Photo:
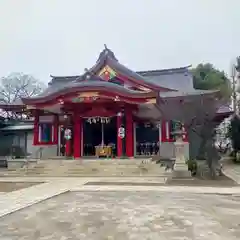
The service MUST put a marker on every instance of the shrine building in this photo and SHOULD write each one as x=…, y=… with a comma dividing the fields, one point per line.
x=109, y=111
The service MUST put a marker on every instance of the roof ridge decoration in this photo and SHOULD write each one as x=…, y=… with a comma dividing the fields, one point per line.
x=88, y=76
x=106, y=53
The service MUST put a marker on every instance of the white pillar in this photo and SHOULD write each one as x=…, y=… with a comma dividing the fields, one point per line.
x=59, y=140
x=167, y=130
x=160, y=132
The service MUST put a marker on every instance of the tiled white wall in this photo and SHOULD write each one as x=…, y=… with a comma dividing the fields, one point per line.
x=47, y=151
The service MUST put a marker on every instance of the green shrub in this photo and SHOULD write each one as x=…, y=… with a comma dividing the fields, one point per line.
x=192, y=166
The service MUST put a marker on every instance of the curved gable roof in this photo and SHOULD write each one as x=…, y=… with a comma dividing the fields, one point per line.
x=73, y=87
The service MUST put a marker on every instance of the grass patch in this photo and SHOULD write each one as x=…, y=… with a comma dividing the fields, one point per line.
x=221, y=181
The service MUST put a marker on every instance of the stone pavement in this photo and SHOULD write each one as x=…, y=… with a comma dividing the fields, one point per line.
x=127, y=215
x=232, y=171
x=118, y=212
x=16, y=200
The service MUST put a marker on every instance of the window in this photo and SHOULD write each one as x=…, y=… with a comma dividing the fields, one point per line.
x=45, y=133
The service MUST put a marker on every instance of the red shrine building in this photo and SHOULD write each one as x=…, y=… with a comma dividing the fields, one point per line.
x=110, y=110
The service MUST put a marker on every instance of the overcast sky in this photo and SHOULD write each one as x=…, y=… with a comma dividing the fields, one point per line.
x=62, y=37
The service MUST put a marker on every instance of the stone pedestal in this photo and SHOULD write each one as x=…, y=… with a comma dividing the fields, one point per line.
x=180, y=167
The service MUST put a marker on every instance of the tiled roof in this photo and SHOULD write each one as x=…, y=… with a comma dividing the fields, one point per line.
x=186, y=93
x=107, y=57
x=163, y=71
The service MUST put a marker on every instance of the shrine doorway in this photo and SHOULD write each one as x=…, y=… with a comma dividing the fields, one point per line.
x=147, y=139
x=99, y=131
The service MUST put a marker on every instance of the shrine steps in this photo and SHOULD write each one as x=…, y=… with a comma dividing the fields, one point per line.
x=92, y=168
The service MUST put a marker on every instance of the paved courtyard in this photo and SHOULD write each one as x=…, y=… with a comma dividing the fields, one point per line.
x=127, y=215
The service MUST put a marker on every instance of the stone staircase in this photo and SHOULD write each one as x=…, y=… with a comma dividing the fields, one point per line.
x=91, y=168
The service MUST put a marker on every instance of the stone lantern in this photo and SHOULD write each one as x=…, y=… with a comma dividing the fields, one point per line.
x=180, y=167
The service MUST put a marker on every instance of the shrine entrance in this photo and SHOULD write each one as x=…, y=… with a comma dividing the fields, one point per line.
x=147, y=139
x=100, y=133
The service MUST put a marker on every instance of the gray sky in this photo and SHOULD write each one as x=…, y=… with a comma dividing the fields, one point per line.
x=62, y=37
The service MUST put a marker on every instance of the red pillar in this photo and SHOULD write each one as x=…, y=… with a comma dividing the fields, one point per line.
x=77, y=121
x=119, y=140
x=164, y=131
x=55, y=129
x=36, y=128
x=129, y=133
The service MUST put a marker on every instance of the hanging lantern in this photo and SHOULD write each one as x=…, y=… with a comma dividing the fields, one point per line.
x=67, y=134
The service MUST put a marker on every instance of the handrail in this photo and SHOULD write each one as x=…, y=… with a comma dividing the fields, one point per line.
x=26, y=165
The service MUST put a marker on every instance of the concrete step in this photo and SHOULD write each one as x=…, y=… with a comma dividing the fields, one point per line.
x=84, y=175
x=103, y=168
x=90, y=162
x=99, y=169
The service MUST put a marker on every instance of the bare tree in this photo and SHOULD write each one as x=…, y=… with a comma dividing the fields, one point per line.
x=197, y=112
x=18, y=85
